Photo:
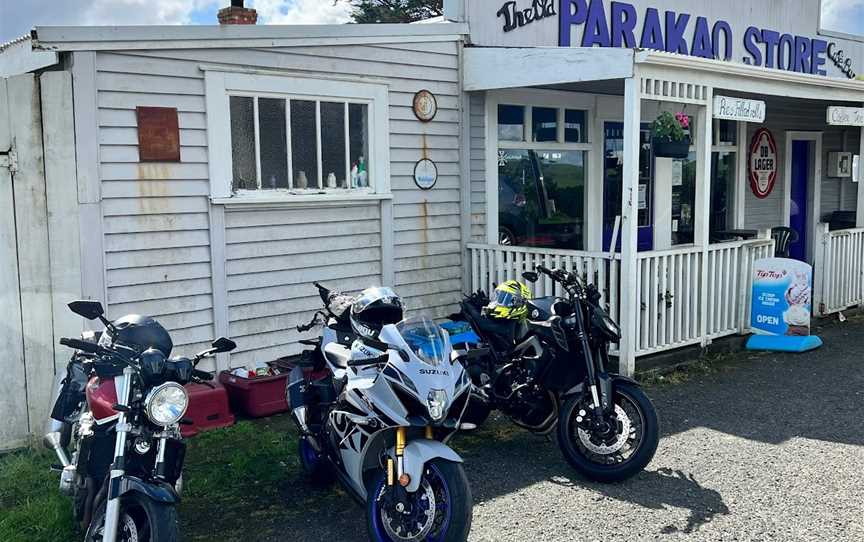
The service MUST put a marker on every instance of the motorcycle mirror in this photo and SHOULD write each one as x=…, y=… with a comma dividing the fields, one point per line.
x=223, y=344
x=90, y=310
x=530, y=276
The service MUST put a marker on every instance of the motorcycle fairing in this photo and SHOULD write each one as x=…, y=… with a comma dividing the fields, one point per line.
x=155, y=490
x=419, y=452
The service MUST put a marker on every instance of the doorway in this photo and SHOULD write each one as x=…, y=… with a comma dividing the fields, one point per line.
x=803, y=172
x=798, y=198
x=613, y=170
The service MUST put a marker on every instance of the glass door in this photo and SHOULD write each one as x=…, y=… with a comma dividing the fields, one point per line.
x=613, y=170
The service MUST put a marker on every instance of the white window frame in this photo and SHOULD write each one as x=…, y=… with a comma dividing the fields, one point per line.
x=221, y=84
x=538, y=98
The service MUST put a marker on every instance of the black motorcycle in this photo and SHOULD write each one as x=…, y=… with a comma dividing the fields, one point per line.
x=121, y=401
x=550, y=369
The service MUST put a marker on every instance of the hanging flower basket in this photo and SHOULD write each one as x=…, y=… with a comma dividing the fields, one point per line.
x=670, y=135
x=671, y=149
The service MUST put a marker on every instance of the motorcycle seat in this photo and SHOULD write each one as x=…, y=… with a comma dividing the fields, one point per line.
x=337, y=354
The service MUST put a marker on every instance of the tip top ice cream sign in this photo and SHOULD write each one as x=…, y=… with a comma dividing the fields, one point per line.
x=620, y=24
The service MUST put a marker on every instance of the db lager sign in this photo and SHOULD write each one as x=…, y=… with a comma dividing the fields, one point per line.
x=763, y=163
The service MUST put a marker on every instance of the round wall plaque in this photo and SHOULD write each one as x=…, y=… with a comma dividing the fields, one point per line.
x=425, y=105
x=763, y=163
x=425, y=174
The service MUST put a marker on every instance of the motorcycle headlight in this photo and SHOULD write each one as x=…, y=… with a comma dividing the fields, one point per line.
x=437, y=403
x=166, y=404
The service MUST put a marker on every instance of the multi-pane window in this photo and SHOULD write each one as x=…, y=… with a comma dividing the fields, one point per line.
x=724, y=167
x=297, y=143
x=542, y=154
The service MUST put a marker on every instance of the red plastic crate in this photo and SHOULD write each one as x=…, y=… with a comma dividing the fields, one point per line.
x=208, y=408
x=256, y=397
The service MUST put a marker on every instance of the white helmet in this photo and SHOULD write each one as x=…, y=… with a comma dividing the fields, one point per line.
x=373, y=309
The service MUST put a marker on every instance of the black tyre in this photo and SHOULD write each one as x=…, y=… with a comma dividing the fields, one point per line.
x=450, y=521
x=506, y=237
x=141, y=519
x=606, y=454
x=316, y=467
x=477, y=412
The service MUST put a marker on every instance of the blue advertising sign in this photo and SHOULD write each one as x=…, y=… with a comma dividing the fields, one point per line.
x=782, y=297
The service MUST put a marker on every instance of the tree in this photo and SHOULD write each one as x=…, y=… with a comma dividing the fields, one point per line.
x=394, y=11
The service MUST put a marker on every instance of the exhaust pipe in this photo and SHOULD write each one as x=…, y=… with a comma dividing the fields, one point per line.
x=53, y=440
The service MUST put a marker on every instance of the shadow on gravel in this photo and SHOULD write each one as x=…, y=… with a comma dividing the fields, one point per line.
x=772, y=397
x=660, y=489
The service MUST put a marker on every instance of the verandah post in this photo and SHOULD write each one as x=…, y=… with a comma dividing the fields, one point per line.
x=629, y=223
x=859, y=221
x=703, y=205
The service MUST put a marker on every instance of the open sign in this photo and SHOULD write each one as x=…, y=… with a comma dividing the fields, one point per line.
x=763, y=163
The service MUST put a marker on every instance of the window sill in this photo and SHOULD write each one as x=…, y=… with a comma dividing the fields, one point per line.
x=284, y=199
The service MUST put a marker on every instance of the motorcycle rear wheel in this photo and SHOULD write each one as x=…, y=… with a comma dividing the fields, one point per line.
x=453, y=504
x=141, y=519
x=600, y=465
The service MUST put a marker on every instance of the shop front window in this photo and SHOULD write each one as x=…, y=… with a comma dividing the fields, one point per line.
x=724, y=169
x=542, y=157
x=613, y=171
x=541, y=198
x=683, y=200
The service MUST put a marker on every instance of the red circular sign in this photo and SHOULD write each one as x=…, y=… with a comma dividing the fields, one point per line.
x=763, y=163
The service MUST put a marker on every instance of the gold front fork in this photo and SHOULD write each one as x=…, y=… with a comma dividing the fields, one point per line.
x=429, y=434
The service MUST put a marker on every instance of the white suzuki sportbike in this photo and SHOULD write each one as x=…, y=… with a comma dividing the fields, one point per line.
x=377, y=416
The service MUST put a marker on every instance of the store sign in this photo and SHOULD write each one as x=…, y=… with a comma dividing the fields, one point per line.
x=845, y=116
x=763, y=163
x=514, y=17
x=739, y=109
x=683, y=33
x=782, y=296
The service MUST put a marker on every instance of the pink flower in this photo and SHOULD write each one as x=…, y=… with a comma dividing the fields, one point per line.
x=683, y=120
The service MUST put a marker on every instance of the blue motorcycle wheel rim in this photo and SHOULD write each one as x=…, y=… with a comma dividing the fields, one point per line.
x=436, y=479
x=309, y=455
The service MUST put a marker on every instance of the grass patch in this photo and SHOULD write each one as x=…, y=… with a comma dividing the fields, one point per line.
x=684, y=372
x=31, y=507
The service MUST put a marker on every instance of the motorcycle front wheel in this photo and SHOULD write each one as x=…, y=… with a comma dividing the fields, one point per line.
x=439, y=511
x=141, y=520
x=617, y=447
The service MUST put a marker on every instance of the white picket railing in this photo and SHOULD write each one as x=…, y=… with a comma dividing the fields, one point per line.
x=673, y=299
x=672, y=296
x=669, y=298
x=494, y=264
x=840, y=271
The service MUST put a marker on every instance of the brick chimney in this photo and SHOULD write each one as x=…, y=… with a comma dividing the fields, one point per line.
x=237, y=14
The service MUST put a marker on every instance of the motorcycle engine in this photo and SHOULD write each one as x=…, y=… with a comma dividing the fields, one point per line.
x=526, y=403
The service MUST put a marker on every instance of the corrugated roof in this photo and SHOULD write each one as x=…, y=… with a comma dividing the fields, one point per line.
x=10, y=43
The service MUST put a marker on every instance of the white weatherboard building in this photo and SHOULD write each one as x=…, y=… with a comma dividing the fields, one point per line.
x=294, y=152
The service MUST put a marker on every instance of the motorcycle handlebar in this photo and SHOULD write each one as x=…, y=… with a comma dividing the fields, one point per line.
x=202, y=375
x=78, y=344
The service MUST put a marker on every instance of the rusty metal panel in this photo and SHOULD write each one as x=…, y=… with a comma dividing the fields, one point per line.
x=158, y=134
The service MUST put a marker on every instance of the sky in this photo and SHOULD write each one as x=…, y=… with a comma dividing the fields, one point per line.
x=17, y=17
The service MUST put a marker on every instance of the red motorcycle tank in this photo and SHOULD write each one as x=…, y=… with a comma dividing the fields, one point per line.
x=101, y=397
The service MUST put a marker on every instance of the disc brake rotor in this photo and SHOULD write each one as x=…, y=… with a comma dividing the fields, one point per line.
x=128, y=531
x=411, y=525
x=608, y=447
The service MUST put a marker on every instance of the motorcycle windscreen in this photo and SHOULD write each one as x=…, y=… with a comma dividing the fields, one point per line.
x=426, y=340
x=72, y=393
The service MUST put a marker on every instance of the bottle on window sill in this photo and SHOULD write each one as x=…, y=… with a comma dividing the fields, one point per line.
x=362, y=179
x=331, y=180
x=355, y=176
x=302, y=181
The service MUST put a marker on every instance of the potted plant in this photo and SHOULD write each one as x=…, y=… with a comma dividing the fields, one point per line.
x=669, y=132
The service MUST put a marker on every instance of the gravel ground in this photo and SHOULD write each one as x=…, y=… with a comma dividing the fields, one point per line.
x=767, y=447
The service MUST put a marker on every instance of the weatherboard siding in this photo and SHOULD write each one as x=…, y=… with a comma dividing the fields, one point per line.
x=156, y=216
